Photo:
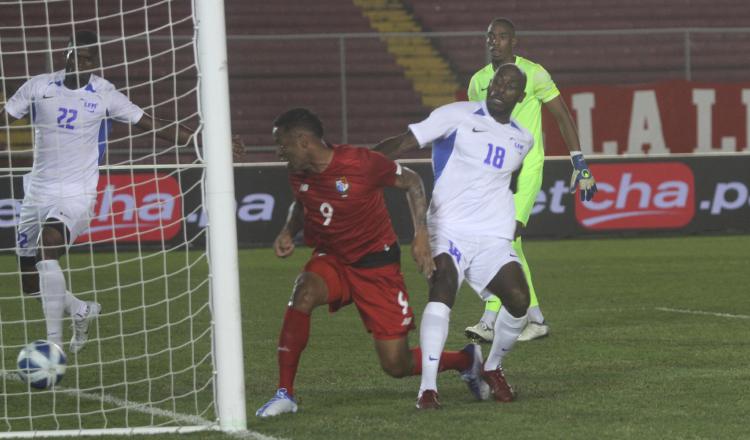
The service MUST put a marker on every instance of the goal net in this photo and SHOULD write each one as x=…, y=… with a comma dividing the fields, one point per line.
x=150, y=364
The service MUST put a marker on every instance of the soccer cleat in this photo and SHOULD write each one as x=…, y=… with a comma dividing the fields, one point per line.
x=480, y=332
x=473, y=375
x=499, y=386
x=280, y=403
x=428, y=400
x=81, y=325
x=534, y=330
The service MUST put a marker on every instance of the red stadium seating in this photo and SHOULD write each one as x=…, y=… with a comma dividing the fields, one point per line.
x=268, y=76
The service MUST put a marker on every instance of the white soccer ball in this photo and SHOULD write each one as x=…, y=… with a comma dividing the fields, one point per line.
x=41, y=364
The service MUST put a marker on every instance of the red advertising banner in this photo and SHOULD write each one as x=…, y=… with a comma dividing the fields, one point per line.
x=656, y=118
x=135, y=207
x=654, y=195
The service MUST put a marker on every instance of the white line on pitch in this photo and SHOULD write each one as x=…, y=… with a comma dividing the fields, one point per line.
x=145, y=409
x=700, y=312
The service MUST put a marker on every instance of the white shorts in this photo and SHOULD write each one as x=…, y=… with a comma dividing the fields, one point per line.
x=477, y=259
x=75, y=213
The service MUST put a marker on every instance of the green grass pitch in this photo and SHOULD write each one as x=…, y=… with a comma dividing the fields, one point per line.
x=649, y=339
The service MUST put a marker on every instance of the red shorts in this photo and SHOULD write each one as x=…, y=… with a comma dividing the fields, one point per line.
x=379, y=294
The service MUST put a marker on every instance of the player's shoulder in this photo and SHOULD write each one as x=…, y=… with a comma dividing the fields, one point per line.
x=101, y=85
x=484, y=72
x=523, y=133
x=527, y=65
x=353, y=153
x=459, y=108
x=46, y=79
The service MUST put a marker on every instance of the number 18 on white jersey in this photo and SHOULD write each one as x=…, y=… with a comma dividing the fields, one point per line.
x=473, y=158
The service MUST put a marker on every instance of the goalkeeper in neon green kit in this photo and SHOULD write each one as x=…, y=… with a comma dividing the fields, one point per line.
x=540, y=89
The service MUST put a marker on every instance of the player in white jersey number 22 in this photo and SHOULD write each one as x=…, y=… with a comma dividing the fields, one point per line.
x=70, y=112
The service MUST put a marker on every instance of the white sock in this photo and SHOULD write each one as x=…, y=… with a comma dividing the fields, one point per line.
x=507, y=329
x=535, y=315
x=433, y=331
x=73, y=305
x=490, y=315
x=52, y=288
x=489, y=318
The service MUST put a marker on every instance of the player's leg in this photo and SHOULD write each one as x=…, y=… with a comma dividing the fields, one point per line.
x=398, y=360
x=484, y=330
x=30, y=286
x=52, y=242
x=317, y=285
x=510, y=285
x=310, y=291
x=433, y=330
x=29, y=275
x=536, y=326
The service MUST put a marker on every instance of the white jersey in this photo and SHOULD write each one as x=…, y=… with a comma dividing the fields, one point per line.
x=473, y=158
x=70, y=131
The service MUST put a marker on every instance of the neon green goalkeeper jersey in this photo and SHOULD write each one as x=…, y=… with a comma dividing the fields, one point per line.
x=539, y=89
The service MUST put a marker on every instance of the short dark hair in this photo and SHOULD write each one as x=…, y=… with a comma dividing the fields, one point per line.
x=505, y=21
x=515, y=67
x=299, y=118
x=84, y=37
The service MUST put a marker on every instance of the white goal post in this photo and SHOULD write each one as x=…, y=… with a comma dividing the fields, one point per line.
x=160, y=252
x=214, y=81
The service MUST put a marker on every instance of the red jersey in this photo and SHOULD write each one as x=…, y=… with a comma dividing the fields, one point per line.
x=345, y=213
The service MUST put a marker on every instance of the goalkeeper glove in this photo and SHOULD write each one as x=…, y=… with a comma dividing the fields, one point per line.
x=582, y=177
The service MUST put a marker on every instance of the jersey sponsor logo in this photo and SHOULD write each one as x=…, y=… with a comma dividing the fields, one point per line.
x=304, y=187
x=655, y=195
x=342, y=186
x=138, y=207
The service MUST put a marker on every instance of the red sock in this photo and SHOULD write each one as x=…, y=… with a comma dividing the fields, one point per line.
x=455, y=360
x=295, y=331
x=449, y=360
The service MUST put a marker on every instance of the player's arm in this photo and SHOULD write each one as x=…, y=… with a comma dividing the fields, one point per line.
x=19, y=104
x=6, y=118
x=582, y=177
x=169, y=131
x=396, y=146
x=284, y=243
x=164, y=129
x=410, y=182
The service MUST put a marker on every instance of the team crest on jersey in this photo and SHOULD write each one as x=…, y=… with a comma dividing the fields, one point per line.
x=342, y=186
x=518, y=146
x=89, y=106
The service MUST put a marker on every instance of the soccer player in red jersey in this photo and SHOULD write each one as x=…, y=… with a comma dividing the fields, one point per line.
x=339, y=203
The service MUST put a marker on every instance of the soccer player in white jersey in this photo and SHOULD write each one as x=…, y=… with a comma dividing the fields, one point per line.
x=70, y=111
x=476, y=148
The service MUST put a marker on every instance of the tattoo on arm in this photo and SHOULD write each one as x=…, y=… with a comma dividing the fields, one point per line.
x=415, y=196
